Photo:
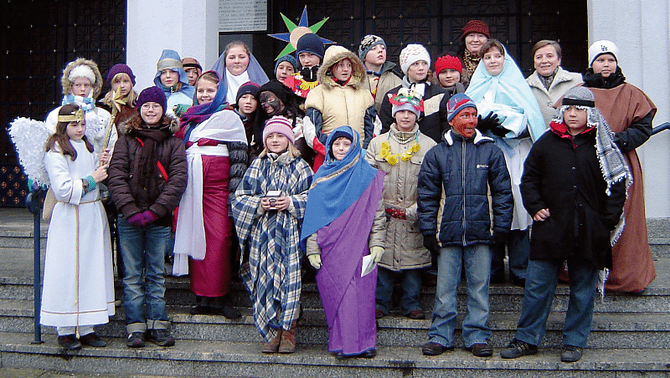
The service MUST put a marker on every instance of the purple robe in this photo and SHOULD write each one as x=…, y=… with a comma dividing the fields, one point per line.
x=349, y=299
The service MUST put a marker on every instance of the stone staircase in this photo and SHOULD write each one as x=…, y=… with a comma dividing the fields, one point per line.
x=630, y=335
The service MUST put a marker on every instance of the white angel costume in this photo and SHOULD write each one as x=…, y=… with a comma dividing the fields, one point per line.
x=78, y=288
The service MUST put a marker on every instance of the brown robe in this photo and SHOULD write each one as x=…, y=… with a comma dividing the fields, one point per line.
x=632, y=264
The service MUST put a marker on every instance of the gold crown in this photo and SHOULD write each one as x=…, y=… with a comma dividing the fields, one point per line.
x=74, y=117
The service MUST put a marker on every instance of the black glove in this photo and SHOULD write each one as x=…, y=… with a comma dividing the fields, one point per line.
x=498, y=239
x=487, y=123
x=430, y=242
x=499, y=131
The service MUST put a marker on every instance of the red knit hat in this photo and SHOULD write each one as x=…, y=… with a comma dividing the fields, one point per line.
x=475, y=26
x=448, y=61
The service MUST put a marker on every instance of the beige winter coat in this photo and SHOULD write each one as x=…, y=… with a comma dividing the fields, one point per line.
x=341, y=105
x=563, y=80
x=404, y=241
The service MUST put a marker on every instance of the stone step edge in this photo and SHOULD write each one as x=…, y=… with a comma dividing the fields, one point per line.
x=310, y=356
x=498, y=321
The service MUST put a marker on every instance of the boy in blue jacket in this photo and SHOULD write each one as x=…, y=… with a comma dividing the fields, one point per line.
x=461, y=168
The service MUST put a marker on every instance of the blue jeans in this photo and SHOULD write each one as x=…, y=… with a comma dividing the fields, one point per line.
x=411, y=290
x=518, y=249
x=539, y=293
x=477, y=262
x=143, y=255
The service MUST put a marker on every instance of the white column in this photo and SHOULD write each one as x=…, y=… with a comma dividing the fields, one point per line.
x=640, y=31
x=189, y=27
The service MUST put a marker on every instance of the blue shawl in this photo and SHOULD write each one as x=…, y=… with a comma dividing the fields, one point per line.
x=254, y=69
x=510, y=89
x=336, y=185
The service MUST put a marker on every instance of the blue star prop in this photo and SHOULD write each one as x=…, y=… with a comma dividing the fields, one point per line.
x=297, y=31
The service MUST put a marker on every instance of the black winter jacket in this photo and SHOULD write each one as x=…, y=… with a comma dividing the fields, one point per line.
x=465, y=168
x=564, y=176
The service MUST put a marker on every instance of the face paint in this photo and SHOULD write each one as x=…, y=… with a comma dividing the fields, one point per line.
x=270, y=103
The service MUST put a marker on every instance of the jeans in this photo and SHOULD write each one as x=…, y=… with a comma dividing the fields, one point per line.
x=539, y=293
x=518, y=249
x=477, y=262
x=143, y=255
x=411, y=290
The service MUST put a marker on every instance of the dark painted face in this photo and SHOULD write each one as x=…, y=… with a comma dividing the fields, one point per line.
x=270, y=103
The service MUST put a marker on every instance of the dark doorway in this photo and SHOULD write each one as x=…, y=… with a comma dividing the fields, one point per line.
x=437, y=24
x=38, y=39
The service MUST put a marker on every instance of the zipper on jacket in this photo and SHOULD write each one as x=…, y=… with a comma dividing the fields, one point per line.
x=464, y=144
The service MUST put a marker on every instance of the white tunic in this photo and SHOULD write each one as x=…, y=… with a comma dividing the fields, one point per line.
x=78, y=286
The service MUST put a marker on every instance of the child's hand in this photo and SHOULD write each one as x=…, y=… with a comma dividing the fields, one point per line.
x=104, y=156
x=100, y=173
x=282, y=203
x=265, y=204
x=315, y=261
x=541, y=215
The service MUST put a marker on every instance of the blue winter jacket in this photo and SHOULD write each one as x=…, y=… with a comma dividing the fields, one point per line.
x=464, y=168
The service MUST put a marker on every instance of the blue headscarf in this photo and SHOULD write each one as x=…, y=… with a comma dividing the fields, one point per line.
x=198, y=113
x=509, y=88
x=337, y=184
x=254, y=69
x=170, y=60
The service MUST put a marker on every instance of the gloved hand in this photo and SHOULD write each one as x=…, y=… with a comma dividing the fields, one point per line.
x=376, y=253
x=487, y=123
x=431, y=244
x=207, y=142
x=498, y=239
x=396, y=213
x=142, y=219
x=499, y=131
x=315, y=261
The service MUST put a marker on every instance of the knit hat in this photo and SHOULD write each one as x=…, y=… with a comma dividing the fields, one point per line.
x=579, y=96
x=406, y=99
x=448, y=61
x=602, y=47
x=367, y=43
x=247, y=88
x=120, y=68
x=338, y=134
x=413, y=53
x=152, y=94
x=191, y=63
x=310, y=43
x=287, y=58
x=475, y=26
x=278, y=124
x=456, y=103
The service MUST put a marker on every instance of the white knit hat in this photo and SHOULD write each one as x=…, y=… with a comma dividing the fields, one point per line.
x=82, y=70
x=413, y=53
x=602, y=47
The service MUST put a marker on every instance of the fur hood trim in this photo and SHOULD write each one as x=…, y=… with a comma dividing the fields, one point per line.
x=96, y=87
x=136, y=122
x=333, y=55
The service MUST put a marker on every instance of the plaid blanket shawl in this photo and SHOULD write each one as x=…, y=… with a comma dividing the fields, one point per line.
x=270, y=262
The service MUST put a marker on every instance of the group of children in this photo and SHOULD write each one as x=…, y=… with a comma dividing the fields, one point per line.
x=371, y=166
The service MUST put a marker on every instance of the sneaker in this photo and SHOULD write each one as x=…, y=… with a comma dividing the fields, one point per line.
x=481, y=350
x=135, y=340
x=517, y=348
x=378, y=314
x=160, y=337
x=69, y=342
x=92, y=339
x=434, y=349
x=571, y=353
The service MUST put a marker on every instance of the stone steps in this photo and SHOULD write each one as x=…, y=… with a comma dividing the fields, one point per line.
x=243, y=359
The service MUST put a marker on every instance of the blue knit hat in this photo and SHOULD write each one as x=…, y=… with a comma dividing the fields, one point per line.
x=456, y=103
x=287, y=58
x=152, y=94
x=310, y=43
x=247, y=88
